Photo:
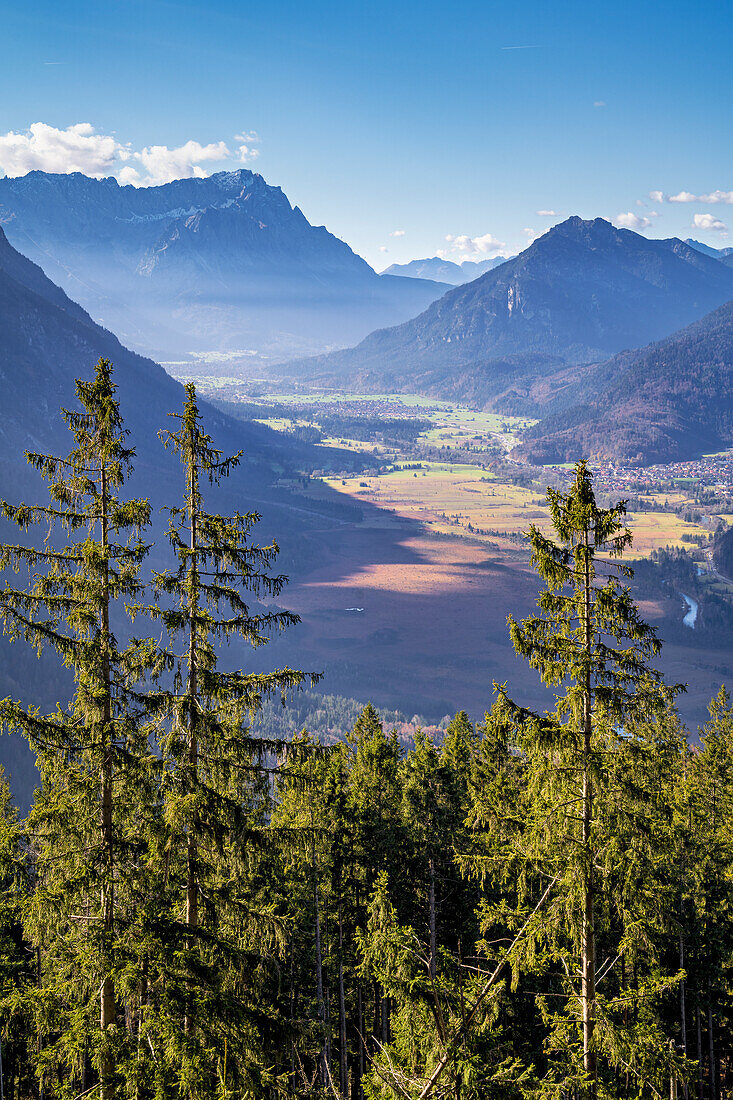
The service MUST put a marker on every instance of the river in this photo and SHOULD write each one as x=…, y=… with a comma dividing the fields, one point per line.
x=690, y=617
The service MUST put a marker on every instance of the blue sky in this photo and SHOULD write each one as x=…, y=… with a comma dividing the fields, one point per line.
x=427, y=119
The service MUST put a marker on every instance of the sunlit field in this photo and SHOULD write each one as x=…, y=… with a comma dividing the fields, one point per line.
x=467, y=500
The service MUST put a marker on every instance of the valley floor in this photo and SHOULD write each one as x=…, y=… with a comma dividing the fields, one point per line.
x=408, y=607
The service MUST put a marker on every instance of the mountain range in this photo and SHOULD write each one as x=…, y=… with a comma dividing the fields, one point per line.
x=445, y=271
x=190, y=264
x=669, y=401
x=725, y=255
x=583, y=291
x=222, y=263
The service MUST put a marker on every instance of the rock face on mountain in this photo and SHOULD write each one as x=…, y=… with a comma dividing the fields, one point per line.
x=669, y=401
x=221, y=263
x=445, y=271
x=581, y=292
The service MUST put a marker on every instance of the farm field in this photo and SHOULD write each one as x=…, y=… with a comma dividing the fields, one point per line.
x=467, y=500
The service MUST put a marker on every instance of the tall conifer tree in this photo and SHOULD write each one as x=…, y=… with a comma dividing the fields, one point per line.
x=93, y=755
x=216, y=791
x=589, y=638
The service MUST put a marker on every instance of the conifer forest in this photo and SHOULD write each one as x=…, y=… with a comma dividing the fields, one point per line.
x=540, y=905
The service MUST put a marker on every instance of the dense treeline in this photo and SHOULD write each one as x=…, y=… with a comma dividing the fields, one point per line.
x=538, y=906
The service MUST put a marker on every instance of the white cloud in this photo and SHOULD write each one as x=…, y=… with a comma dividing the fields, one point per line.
x=163, y=164
x=546, y=213
x=76, y=149
x=247, y=154
x=599, y=103
x=709, y=221
x=244, y=149
x=397, y=233
x=711, y=198
x=656, y=196
x=474, y=247
x=487, y=243
x=631, y=221
x=383, y=248
x=128, y=174
x=80, y=148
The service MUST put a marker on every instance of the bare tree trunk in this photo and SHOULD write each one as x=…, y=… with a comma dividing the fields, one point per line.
x=711, y=1054
x=343, y=1054
x=192, y=914
x=358, y=1090
x=323, y=1069
x=292, y=1018
x=433, y=945
x=107, y=1010
x=626, y=1019
x=699, y=1053
x=39, y=985
x=588, y=981
x=683, y=1004
x=327, y=1037
x=672, y=1077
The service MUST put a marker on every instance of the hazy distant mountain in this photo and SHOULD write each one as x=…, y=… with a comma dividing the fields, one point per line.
x=725, y=255
x=48, y=341
x=445, y=271
x=669, y=401
x=578, y=294
x=221, y=263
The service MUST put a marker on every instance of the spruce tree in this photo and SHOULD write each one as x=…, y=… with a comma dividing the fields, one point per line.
x=590, y=639
x=707, y=809
x=93, y=756
x=216, y=789
x=306, y=826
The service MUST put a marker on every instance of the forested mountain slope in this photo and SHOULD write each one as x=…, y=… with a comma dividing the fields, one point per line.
x=47, y=341
x=669, y=401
